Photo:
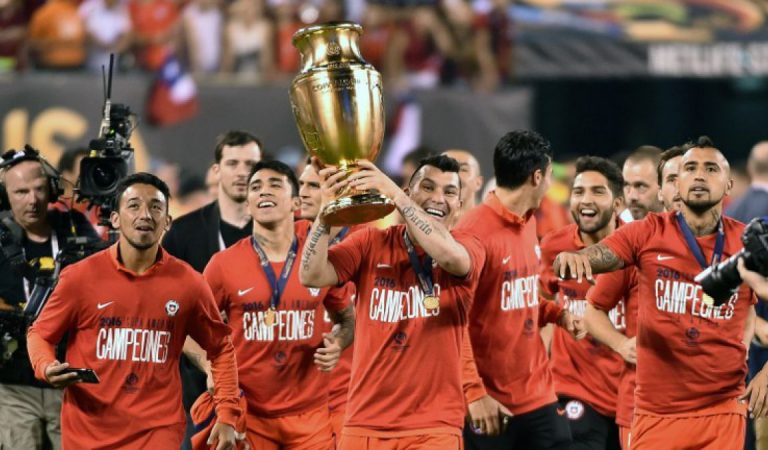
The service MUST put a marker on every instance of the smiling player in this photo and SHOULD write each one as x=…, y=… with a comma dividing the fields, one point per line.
x=415, y=285
x=277, y=323
x=691, y=358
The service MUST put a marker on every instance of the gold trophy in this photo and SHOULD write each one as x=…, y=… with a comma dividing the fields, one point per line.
x=337, y=102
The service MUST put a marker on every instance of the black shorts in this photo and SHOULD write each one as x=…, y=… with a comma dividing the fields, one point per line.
x=540, y=429
x=590, y=430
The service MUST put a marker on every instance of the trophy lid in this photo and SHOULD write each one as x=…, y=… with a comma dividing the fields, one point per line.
x=332, y=27
x=329, y=45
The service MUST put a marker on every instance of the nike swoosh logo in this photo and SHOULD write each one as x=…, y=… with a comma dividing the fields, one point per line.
x=560, y=412
x=103, y=305
x=506, y=260
x=664, y=258
x=244, y=291
x=383, y=266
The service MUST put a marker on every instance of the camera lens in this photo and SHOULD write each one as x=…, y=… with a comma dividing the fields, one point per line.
x=105, y=176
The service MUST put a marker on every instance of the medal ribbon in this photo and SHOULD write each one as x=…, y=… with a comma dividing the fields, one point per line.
x=423, y=271
x=342, y=234
x=693, y=245
x=277, y=286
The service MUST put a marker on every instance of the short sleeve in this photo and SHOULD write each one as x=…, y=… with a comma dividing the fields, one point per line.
x=215, y=280
x=347, y=256
x=627, y=241
x=339, y=298
x=476, y=252
x=609, y=289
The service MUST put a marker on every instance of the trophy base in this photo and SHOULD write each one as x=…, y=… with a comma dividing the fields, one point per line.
x=357, y=209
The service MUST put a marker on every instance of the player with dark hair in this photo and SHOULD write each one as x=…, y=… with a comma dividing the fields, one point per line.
x=277, y=324
x=611, y=290
x=508, y=313
x=691, y=358
x=415, y=284
x=127, y=311
x=586, y=372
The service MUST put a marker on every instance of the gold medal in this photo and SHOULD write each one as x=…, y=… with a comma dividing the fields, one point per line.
x=269, y=317
x=707, y=300
x=431, y=302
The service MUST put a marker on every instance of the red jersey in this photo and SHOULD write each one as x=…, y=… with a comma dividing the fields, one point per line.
x=130, y=329
x=610, y=290
x=338, y=384
x=507, y=312
x=690, y=355
x=275, y=363
x=585, y=369
x=406, y=374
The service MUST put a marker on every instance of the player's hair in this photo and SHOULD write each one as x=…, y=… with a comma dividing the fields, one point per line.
x=606, y=168
x=442, y=162
x=700, y=142
x=141, y=178
x=666, y=155
x=645, y=153
x=281, y=168
x=233, y=138
x=518, y=155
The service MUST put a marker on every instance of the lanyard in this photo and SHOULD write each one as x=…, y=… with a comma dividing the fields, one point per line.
x=342, y=234
x=222, y=245
x=277, y=286
x=693, y=245
x=54, y=253
x=424, y=272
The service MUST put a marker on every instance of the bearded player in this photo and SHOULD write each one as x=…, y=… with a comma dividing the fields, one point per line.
x=691, y=358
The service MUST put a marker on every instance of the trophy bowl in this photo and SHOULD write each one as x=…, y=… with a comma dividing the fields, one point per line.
x=337, y=103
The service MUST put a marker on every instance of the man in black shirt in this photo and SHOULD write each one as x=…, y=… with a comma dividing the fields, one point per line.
x=32, y=237
x=195, y=237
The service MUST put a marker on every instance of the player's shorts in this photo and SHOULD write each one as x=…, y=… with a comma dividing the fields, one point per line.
x=589, y=428
x=717, y=427
x=337, y=421
x=437, y=439
x=306, y=431
x=545, y=428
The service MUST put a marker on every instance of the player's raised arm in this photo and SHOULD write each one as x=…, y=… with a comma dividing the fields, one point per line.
x=597, y=258
x=422, y=222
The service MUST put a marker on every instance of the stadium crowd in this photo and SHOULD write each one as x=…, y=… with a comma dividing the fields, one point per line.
x=419, y=43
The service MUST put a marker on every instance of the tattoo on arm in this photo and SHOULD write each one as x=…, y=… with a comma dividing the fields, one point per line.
x=602, y=259
x=311, y=249
x=421, y=220
x=345, y=318
x=411, y=215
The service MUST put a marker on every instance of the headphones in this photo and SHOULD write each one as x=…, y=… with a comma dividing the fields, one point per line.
x=14, y=157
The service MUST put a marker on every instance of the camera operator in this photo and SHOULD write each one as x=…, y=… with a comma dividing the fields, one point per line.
x=32, y=236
